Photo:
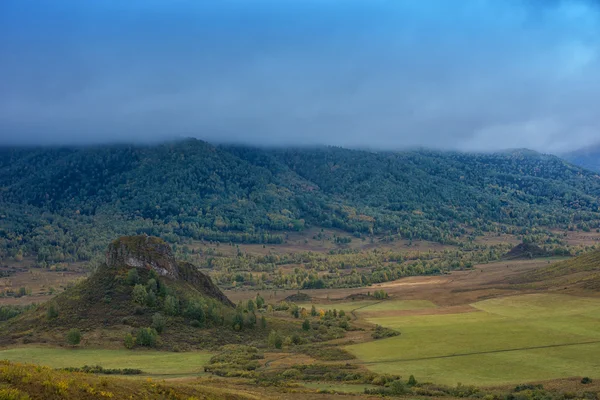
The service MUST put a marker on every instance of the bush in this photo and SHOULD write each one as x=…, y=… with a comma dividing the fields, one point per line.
x=133, y=278
x=159, y=322
x=171, y=305
x=13, y=394
x=382, y=333
x=306, y=325
x=412, y=381
x=151, y=299
x=275, y=340
x=139, y=294
x=52, y=311
x=146, y=337
x=74, y=337
x=586, y=380
x=129, y=341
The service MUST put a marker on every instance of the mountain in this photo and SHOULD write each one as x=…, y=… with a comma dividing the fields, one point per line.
x=67, y=203
x=588, y=157
x=140, y=290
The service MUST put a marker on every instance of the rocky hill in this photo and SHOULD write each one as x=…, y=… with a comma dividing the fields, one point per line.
x=140, y=288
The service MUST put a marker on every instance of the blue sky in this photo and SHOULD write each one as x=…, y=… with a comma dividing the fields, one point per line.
x=469, y=75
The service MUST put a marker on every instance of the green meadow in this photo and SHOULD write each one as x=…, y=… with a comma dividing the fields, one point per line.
x=509, y=340
x=372, y=305
x=153, y=363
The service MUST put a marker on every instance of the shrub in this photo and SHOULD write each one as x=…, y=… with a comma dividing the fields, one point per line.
x=398, y=387
x=152, y=285
x=263, y=322
x=586, y=380
x=13, y=394
x=74, y=337
x=146, y=337
x=139, y=294
x=412, y=381
x=275, y=340
x=52, y=311
x=129, y=341
x=133, y=278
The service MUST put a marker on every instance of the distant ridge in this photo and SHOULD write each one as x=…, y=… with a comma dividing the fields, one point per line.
x=61, y=204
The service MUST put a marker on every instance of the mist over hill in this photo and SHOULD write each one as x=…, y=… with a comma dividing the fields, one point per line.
x=66, y=203
x=588, y=157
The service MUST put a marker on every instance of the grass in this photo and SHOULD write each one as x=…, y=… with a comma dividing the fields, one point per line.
x=372, y=305
x=511, y=340
x=338, y=387
x=24, y=382
x=153, y=363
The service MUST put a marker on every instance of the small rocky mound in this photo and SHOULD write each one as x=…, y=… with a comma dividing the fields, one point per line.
x=526, y=250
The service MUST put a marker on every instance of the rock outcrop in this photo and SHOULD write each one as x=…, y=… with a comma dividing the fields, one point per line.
x=152, y=253
x=143, y=251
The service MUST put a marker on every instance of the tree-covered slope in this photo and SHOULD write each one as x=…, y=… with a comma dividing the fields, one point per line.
x=66, y=203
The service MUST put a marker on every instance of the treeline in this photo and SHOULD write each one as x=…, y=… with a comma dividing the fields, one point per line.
x=65, y=204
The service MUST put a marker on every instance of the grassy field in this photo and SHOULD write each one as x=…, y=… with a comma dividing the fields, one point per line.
x=372, y=305
x=153, y=363
x=512, y=339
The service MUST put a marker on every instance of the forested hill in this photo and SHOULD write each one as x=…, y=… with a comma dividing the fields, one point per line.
x=588, y=157
x=66, y=203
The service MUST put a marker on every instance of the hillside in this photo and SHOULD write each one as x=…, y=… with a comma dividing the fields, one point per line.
x=582, y=272
x=588, y=157
x=66, y=203
x=141, y=289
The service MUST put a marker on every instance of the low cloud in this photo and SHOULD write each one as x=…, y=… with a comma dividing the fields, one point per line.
x=472, y=75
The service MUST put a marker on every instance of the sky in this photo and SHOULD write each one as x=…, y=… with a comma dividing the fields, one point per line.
x=474, y=75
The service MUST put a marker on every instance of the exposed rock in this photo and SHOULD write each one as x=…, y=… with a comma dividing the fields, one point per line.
x=201, y=282
x=149, y=252
x=143, y=251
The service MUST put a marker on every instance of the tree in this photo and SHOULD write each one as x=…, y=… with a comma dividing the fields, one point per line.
x=74, y=337
x=171, y=305
x=251, y=307
x=263, y=322
x=152, y=285
x=275, y=340
x=133, y=278
x=159, y=322
x=139, y=294
x=146, y=337
x=412, y=381
x=151, y=299
x=306, y=325
x=260, y=302
x=238, y=321
x=313, y=311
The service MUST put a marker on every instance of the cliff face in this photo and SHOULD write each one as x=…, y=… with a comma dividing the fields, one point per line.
x=152, y=253
x=143, y=251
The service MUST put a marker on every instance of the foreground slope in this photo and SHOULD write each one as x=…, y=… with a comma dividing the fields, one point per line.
x=64, y=203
